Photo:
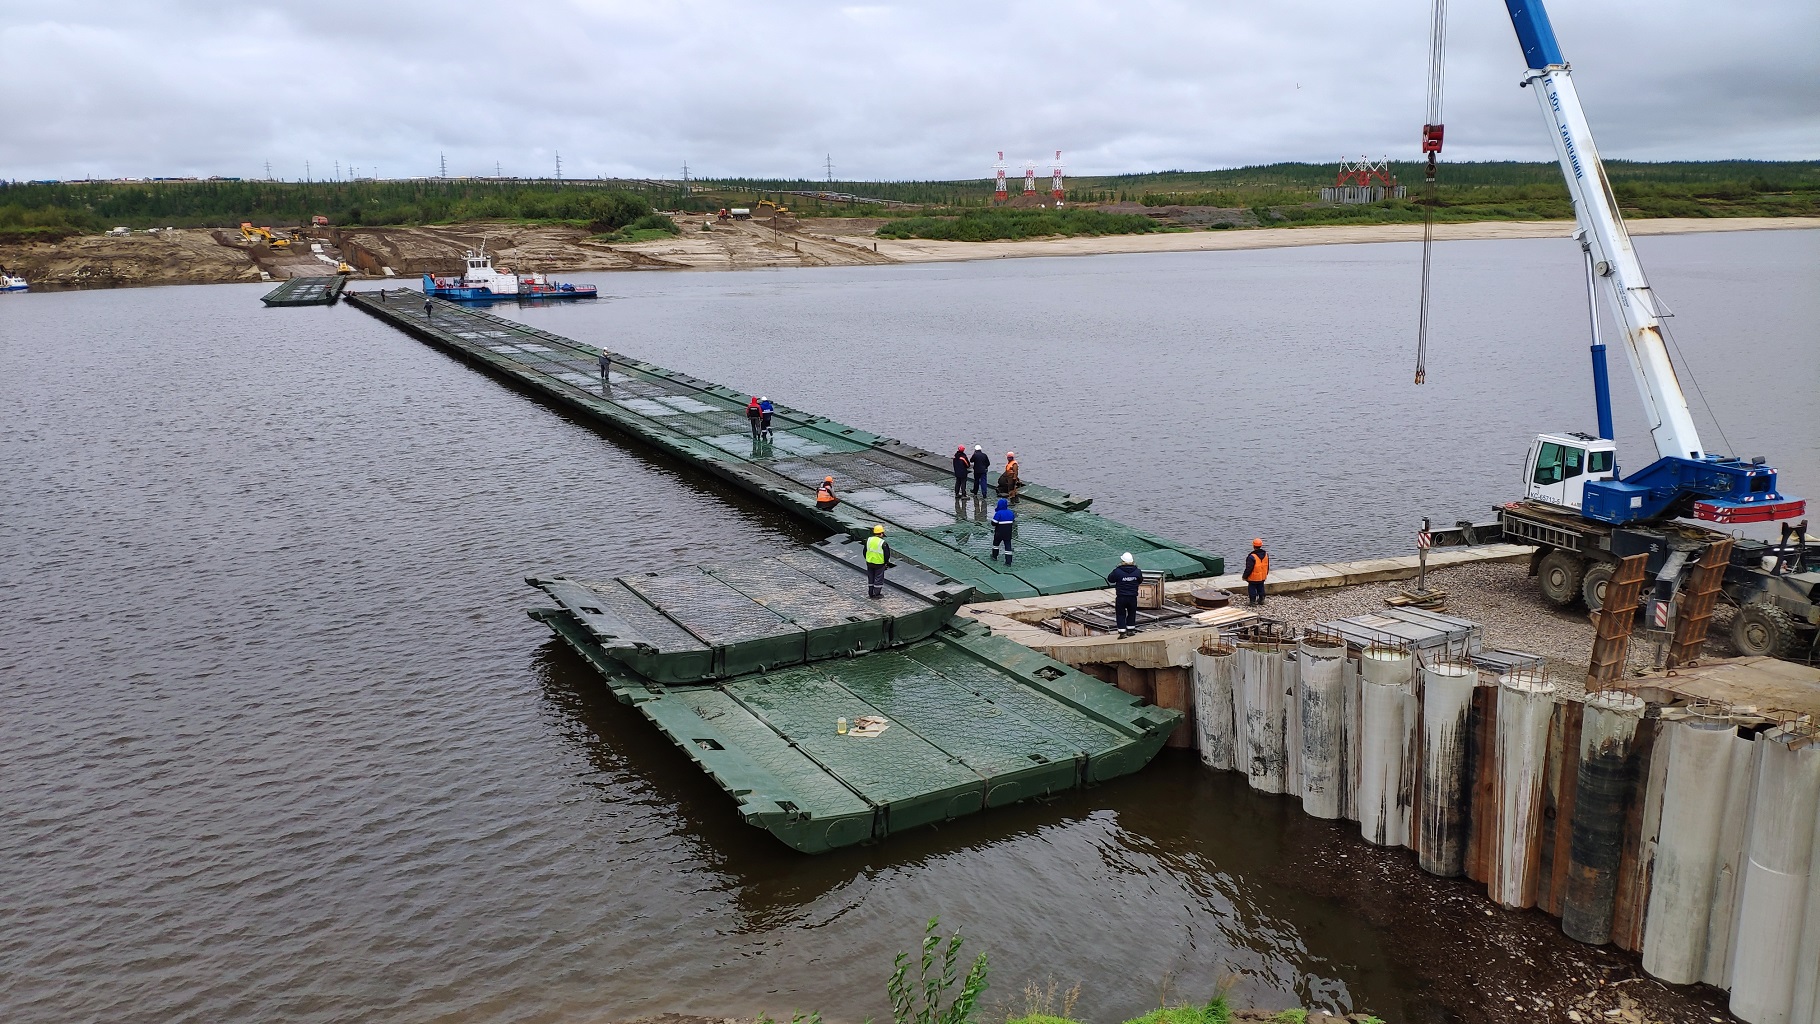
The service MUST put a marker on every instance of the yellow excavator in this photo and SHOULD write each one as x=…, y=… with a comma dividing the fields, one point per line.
x=256, y=235
x=766, y=204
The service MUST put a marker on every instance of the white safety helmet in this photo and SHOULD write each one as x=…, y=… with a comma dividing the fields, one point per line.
x=1126, y=558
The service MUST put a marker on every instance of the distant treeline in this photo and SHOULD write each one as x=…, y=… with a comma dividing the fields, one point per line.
x=93, y=206
x=995, y=224
x=1285, y=192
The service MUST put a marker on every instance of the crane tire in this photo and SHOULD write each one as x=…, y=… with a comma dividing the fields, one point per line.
x=1593, y=584
x=1559, y=577
x=1763, y=630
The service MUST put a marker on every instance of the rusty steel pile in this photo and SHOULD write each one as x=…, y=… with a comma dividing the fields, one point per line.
x=1678, y=828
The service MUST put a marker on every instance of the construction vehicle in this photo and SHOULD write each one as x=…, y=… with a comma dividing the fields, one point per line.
x=764, y=205
x=1579, y=512
x=257, y=235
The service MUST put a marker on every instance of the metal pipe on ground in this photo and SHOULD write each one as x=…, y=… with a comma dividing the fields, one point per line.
x=1386, y=757
x=1687, y=854
x=1525, y=707
x=1606, y=783
x=1261, y=674
x=1773, y=896
x=1323, y=733
x=1214, y=667
x=1447, y=688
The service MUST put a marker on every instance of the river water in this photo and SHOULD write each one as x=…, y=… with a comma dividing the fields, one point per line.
x=277, y=741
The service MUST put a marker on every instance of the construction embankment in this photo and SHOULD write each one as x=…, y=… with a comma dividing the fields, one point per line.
x=1673, y=817
x=217, y=256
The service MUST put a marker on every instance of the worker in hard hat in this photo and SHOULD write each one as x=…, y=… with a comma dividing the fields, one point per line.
x=981, y=463
x=1009, y=480
x=824, y=496
x=1004, y=521
x=878, y=557
x=963, y=468
x=1125, y=578
x=753, y=414
x=1257, y=569
x=765, y=409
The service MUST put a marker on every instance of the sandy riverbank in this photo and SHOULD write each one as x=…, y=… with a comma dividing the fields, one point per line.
x=924, y=251
x=205, y=256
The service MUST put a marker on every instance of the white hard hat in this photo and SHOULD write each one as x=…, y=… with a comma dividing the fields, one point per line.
x=1126, y=558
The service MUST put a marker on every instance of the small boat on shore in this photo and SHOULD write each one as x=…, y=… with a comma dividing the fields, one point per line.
x=480, y=282
x=12, y=283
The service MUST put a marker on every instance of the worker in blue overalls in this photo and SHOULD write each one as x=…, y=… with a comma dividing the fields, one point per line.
x=1125, y=579
x=878, y=556
x=765, y=409
x=1004, y=521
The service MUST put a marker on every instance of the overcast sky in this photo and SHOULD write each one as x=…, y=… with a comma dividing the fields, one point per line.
x=929, y=89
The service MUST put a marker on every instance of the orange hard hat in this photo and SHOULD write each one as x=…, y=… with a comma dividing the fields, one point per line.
x=827, y=479
x=1257, y=542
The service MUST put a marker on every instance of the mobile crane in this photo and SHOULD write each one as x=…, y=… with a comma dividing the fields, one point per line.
x=1578, y=511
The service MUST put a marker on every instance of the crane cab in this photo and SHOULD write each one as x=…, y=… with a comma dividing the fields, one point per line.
x=1559, y=465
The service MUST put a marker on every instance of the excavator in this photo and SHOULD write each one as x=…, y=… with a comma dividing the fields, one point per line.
x=257, y=235
x=1582, y=515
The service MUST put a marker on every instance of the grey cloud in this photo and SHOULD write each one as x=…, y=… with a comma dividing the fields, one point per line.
x=893, y=90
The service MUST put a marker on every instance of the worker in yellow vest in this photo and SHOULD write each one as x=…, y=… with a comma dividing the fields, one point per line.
x=878, y=556
x=1257, y=569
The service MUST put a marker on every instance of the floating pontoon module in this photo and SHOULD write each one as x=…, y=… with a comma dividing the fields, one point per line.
x=713, y=621
x=833, y=720
x=306, y=291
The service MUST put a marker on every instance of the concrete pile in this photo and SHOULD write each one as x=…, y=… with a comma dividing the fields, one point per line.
x=1684, y=832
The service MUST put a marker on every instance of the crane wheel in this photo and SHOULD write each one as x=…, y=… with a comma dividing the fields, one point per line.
x=1763, y=630
x=1593, y=584
x=1559, y=576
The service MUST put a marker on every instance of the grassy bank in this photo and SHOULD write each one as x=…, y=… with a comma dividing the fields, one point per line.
x=995, y=224
x=57, y=209
x=1273, y=194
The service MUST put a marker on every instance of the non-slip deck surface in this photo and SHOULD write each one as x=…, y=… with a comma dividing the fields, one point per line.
x=975, y=722
x=1061, y=547
x=306, y=291
x=703, y=622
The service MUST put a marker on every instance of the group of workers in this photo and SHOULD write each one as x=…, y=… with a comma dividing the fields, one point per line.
x=977, y=466
x=758, y=417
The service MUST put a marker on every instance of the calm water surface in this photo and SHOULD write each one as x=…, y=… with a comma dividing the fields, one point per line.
x=278, y=743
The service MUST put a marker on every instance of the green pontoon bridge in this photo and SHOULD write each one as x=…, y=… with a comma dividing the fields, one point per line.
x=1061, y=547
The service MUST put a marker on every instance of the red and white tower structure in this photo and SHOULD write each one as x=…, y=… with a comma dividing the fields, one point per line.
x=1000, y=193
x=1030, y=179
x=1055, y=179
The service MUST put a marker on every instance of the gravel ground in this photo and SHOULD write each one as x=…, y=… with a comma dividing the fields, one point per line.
x=1502, y=598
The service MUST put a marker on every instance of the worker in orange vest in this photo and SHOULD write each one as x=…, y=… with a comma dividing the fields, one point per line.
x=1257, y=569
x=824, y=496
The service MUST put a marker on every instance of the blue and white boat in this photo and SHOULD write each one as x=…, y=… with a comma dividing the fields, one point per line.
x=480, y=282
x=12, y=283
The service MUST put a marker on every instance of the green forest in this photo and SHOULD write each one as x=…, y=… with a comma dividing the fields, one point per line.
x=1284, y=194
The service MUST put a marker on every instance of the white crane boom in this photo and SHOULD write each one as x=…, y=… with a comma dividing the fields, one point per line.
x=1671, y=423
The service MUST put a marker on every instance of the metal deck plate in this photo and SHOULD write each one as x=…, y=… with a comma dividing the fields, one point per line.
x=1061, y=547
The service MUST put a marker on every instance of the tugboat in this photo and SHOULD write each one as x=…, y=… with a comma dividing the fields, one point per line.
x=10, y=282
x=481, y=283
